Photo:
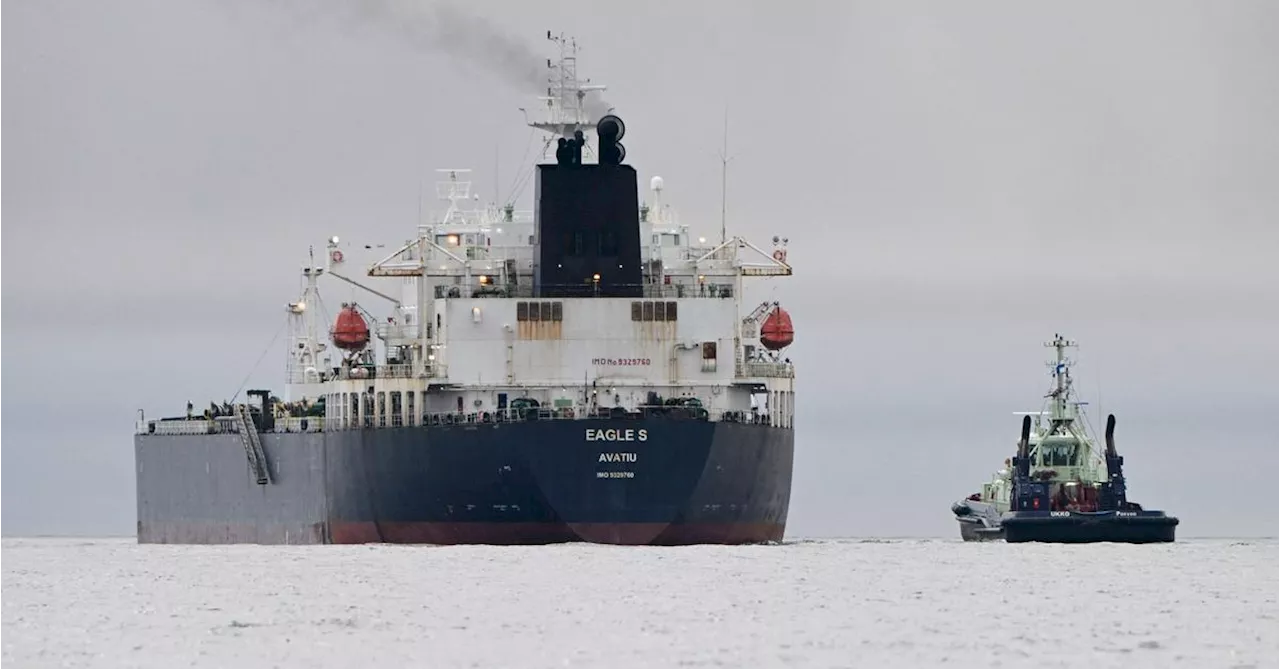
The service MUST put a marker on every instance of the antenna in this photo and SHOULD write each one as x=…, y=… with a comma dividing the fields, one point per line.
x=563, y=110
x=1098, y=378
x=724, y=177
x=1061, y=366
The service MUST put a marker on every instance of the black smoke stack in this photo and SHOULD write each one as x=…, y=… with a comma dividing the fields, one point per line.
x=610, y=130
x=587, y=221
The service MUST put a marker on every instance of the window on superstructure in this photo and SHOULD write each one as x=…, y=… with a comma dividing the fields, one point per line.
x=649, y=310
x=397, y=410
x=382, y=409
x=1064, y=455
x=545, y=312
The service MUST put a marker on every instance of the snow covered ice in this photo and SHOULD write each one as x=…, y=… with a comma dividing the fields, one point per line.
x=837, y=603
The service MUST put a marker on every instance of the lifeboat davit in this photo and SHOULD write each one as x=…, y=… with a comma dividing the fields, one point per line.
x=777, y=333
x=350, y=331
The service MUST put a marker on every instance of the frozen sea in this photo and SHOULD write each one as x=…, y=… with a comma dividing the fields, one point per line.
x=820, y=603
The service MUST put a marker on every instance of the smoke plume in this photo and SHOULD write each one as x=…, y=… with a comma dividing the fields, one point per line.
x=595, y=105
x=442, y=27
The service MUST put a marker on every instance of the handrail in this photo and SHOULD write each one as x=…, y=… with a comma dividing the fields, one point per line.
x=298, y=424
x=750, y=370
x=643, y=290
x=393, y=371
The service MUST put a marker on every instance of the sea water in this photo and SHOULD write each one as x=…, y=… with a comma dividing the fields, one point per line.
x=819, y=603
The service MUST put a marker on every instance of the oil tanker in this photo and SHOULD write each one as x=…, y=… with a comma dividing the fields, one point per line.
x=588, y=371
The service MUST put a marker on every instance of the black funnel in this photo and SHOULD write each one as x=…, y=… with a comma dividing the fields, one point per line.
x=588, y=222
x=1111, y=434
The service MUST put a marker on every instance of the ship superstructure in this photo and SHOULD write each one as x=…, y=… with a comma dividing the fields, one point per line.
x=588, y=370
x=472, y=328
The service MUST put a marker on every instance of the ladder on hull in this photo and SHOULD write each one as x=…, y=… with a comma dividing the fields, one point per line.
x=252, y=445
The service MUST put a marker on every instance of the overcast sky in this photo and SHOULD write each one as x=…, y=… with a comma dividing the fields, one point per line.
x=959, y=181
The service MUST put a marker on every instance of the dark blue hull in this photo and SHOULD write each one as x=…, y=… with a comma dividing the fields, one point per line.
x=651, y=481
x=1135, y=527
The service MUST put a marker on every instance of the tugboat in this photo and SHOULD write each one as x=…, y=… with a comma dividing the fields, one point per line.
x=1057, y=487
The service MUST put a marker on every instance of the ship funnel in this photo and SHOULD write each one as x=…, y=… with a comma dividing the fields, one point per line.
x=1026, y=437
x=610, y=129
x=1111, y=434
x=595, y=207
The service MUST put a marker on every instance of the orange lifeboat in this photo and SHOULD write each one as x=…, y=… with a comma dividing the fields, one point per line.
x=350, y=332
x=777, y=333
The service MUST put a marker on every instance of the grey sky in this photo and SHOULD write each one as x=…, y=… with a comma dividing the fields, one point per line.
x=958, y=180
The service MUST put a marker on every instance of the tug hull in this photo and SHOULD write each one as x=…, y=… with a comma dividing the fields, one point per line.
x=1076, y=527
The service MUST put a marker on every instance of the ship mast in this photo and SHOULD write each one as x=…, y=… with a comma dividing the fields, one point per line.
x=1062, y=413
x=724, y=178
x=306, y=343
x=565, y=109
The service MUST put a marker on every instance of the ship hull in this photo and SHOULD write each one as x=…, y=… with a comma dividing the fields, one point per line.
x=979, y=521
x=972, y=530
x=642, y=482
x=1073, y=527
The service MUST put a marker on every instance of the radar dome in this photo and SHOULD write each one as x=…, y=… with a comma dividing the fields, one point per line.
x=655, y=183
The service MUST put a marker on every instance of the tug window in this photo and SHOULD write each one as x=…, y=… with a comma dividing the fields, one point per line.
x=1060, y=454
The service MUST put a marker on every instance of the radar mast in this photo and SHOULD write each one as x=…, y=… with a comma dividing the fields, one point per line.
x=568, y=105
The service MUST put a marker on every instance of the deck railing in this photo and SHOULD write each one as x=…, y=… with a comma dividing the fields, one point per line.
x=392, y=371
x=297, y=424
x=586, y=289
x=751, y=370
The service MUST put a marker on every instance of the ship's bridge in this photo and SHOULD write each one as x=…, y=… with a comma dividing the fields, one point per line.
x=1059, y=451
